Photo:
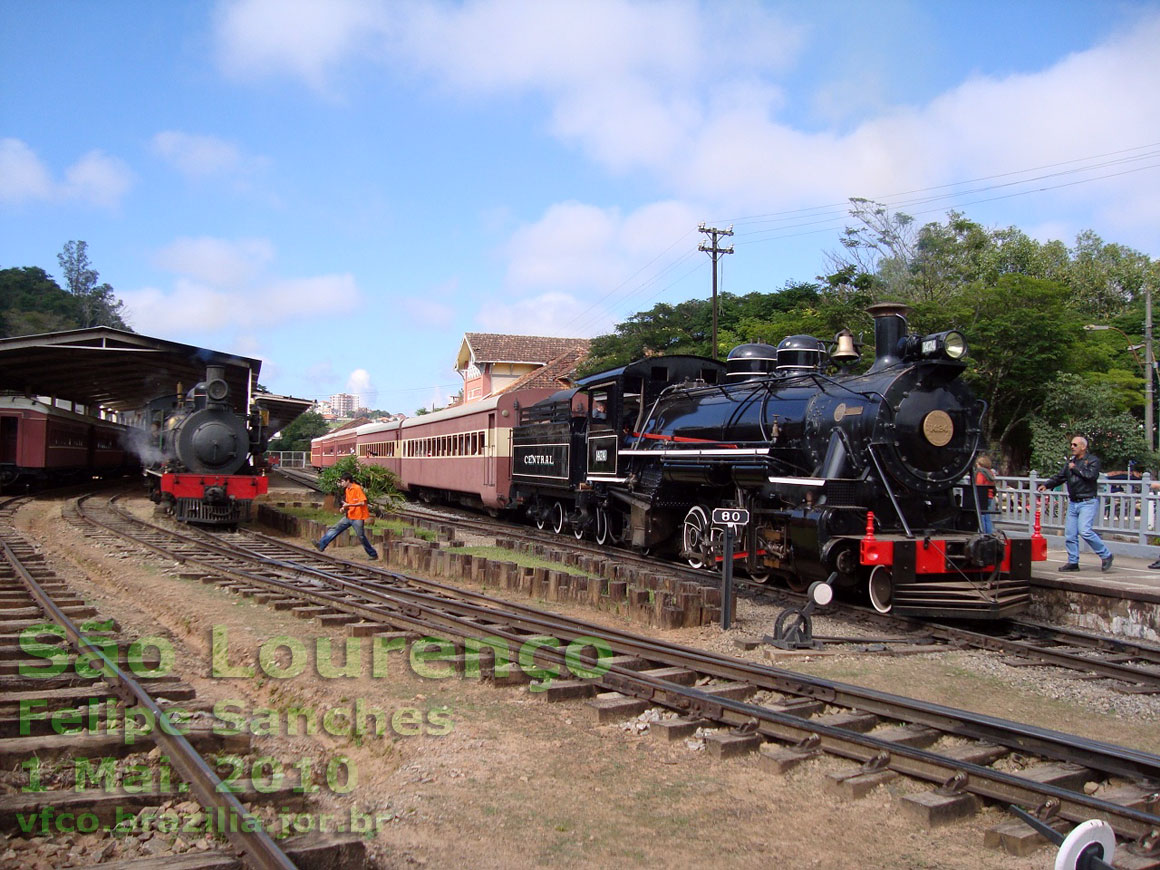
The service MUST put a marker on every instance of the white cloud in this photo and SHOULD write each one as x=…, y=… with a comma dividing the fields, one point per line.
x=222, y=283
x=217, y=262
x=546, y=314
x=188, y=307
x=303, y=38
x=199, y=155
x=359, y=383
x=576, y=246
x=693, y=92
x=99, y=179
x=191, y=306
x=23, y=176
x=96, y=178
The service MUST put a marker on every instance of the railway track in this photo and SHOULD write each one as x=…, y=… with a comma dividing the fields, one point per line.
x=1132, y=665
x=96, y=737
x=740, y=706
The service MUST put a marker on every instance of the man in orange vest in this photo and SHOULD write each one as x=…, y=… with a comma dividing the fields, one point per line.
x=354, y=505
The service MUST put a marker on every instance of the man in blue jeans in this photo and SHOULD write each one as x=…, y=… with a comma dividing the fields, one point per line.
x=1081, y=473
x=357, y=512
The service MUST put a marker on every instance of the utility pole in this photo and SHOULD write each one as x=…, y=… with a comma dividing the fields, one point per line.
x=715, y=252
x=1150, y=365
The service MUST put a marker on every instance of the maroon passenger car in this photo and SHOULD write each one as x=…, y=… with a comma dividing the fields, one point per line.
x=42, y=444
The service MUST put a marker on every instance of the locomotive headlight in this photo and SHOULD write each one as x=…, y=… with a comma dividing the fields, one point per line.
x=954, y=345
x=950, y=344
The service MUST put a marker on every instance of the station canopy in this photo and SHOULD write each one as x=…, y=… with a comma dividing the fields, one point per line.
x=124, y=371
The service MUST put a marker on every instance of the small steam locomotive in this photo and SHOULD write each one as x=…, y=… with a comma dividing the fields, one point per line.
x=856, y=479
x=200, y=451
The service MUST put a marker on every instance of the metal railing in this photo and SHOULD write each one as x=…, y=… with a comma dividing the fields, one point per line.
x=1129, y=510
x=289, y=458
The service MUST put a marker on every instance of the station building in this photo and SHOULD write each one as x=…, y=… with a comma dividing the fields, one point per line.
x=491, y=363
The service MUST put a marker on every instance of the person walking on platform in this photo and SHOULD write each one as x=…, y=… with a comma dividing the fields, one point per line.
x=1081, y=472
x=985, y=489
x=354, y=505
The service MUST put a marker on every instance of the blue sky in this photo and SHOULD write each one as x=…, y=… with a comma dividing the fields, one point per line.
x=344, y=188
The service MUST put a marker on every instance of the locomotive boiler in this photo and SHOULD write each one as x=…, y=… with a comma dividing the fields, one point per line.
x=202, y=450
x=859, y=479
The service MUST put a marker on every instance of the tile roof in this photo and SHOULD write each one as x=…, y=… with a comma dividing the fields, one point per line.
x=490, y=347
x=550, y=375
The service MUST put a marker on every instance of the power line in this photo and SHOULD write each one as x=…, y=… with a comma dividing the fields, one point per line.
x=826, y=218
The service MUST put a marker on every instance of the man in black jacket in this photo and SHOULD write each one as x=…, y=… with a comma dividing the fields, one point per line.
x=1081, y=473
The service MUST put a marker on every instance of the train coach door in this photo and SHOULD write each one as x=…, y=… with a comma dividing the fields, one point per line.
x=489, y=452
x=9, y=426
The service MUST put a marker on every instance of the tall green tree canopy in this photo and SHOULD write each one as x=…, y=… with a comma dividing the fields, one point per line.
x=687, y=327
x=95, y=303
x=1075, y=406
x=32, y=302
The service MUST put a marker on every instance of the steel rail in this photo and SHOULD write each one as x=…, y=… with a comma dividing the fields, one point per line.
x=255, y=847
x=1131, y=674
x=1105, y=757
x=407, y=608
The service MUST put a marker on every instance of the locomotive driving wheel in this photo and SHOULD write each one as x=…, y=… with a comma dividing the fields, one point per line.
x=760, y=574
x=609, y=526
x=697, y=538
x=881, y=589
x=557, y=517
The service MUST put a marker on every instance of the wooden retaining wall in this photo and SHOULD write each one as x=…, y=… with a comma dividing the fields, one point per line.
x=648, y=597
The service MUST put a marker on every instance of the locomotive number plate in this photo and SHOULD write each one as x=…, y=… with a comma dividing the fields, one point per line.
x=938, y=427
x=730, y=517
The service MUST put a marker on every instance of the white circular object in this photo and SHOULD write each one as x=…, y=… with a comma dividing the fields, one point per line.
x=821, y=593
x=881, y=589
x=1086, y=833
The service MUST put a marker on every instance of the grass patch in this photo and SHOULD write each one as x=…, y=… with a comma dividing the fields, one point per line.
x=524, y=560
x=329, y=518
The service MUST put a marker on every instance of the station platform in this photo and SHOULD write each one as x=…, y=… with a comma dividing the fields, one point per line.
x=1128, y=578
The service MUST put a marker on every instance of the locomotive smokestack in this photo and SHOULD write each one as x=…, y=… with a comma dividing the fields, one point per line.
x=216, y=388
x=889, y=330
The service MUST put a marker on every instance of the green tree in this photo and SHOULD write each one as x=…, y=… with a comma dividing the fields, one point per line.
x=1021, y=333
x=380, y=484
x=96, y=304
x=298, y=434
x=1105, y=278
x=687, y=327
x=31, y=302
x=1075, y=406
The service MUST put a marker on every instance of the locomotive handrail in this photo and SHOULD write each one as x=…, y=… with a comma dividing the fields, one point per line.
x=889, y=491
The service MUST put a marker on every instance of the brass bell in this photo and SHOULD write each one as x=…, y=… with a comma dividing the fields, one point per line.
x=845, y=352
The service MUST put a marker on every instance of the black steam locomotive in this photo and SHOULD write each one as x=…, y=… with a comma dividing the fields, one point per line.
x=861, y=480
x=200, y=450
